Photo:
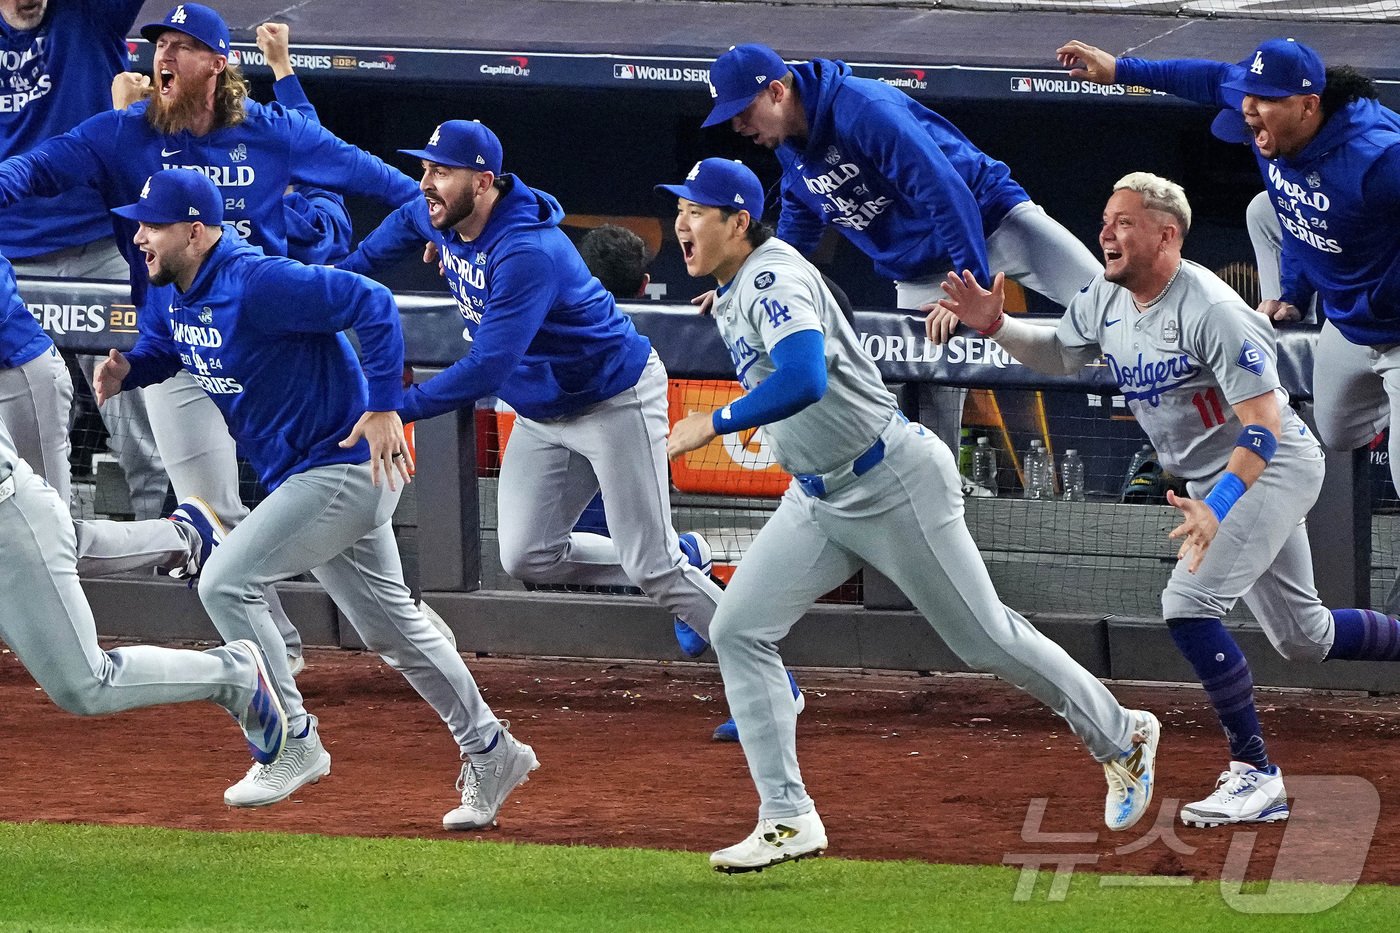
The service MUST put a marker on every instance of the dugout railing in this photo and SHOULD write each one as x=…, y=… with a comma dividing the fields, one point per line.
x=1086, y=573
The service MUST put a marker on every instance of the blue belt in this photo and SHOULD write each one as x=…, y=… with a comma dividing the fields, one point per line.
x=820, y=485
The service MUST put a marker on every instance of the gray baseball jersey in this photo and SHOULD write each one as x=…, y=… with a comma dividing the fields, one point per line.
x=1181, y=364
x=903, y=515
x=773, y=295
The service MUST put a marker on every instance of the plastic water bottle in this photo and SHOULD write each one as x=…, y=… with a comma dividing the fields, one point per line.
x=965, y=448
x=1072, y=476
x=984, y=468
x=1036, y=466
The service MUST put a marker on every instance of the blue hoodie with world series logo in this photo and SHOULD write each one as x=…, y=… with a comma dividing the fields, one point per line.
x=1336, y=200
x=901, y=182
x=262, y=335
x=546, y=337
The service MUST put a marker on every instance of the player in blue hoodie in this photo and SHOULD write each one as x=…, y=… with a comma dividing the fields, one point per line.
x=548, y=339
x=263, y=336
x=198, y=116
x=904, y=185
x=1329, y=154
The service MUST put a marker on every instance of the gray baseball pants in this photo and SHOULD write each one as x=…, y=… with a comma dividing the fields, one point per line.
x=904, y=518
x=46, y=621
x=1261, y=555
x=552, y=468
x=334, y=522
x=202, y=460
x=36, y=400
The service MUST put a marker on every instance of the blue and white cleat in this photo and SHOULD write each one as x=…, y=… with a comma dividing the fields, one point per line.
x=1132, y=775
x=696, y=551
x=1244, y=794
x=264, y=721
x=196, y=514
x=727, y=731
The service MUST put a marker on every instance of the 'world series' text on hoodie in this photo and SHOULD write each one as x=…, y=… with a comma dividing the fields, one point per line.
x=1336, y=200
x=546, y=336
x=52, y=78
x=902, y=183
x=262, y=336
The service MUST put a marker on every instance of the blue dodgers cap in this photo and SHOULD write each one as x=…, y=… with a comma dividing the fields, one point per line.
x=1279, y=68
x=721, y=183
x=738, y=75
x=193, y=19
x=176, y=195
x=462, y=144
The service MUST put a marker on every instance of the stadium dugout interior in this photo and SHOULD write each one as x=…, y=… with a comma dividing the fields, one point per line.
x=597, y=101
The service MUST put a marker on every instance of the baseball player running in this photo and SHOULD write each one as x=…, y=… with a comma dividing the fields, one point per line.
x=198, y=116
x=1197, y=368
x=262, y=335
x=588, y=390
x=899, y=181
x=1329, y=154
x=47, y=623
x=868, y=487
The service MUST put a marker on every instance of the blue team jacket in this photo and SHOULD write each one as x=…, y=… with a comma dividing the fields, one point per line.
x=252, y=164
x=21, y=337
x=1332, y=200
x=262, y=336
x=546, y=336
x=902, y=183
x=52, y=78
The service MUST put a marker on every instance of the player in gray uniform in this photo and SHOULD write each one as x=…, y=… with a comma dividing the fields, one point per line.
x=1197, y=368
x=869, y=488
x=264, y=334
x=47, y=622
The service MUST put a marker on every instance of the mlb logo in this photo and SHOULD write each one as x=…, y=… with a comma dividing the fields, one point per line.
x=1020, y=85
x=625, y=72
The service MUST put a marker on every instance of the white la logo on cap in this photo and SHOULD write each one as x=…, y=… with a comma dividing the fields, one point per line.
x=179, y=16
x=1258, y=67
x=713, y=91
x=694, y=172
x=437, y=134
x=146, y=190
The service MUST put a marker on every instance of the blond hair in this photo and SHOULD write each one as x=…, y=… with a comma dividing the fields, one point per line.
x=1159, y=194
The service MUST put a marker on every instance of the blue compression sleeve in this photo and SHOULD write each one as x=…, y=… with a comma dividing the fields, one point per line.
x=798, y=380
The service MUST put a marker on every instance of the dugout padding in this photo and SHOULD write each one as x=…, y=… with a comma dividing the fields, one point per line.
x=163, y=610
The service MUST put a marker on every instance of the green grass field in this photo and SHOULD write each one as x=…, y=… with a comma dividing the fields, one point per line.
x=65, y=877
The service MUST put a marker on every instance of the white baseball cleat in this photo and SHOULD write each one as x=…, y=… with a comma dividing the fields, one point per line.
x=1132, y=775
x=1244, y=794
x=488, y=778
x=773, y=842
x=303, y=761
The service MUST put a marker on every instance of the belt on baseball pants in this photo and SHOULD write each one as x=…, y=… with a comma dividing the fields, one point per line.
x=821, y=485
x=7, y=487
